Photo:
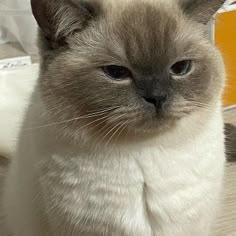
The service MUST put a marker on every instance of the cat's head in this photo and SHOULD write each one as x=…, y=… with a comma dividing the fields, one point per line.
x=118, y=65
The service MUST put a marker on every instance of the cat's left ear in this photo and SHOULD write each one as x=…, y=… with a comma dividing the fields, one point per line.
x=201, y=10
x=58, y=19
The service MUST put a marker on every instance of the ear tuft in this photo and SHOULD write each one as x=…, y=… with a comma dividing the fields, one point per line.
x=58, y=19
x=201, y=10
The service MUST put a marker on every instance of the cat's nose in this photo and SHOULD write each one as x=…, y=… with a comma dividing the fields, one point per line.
x=157, y=101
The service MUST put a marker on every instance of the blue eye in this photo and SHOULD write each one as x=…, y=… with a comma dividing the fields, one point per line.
x=181, y=68
x=117, y=72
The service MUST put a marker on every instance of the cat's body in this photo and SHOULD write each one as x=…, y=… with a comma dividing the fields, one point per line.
x=170, y=187
x=144, y=179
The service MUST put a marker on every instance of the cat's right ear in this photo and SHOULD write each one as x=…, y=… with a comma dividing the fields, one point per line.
x=58, y=19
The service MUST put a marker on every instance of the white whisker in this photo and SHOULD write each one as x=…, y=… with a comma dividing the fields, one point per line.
x=94, y=121
x=95, y=114
x=118, y=132
x=106, y=132
x=104, y=137
x=116, y=128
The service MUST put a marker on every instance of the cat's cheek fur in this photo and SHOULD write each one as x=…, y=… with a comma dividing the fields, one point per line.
x=155, y=189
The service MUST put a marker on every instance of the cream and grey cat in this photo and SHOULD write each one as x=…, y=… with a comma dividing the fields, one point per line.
x=124, y=134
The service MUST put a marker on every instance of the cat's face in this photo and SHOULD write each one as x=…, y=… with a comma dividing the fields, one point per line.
x=139, y=65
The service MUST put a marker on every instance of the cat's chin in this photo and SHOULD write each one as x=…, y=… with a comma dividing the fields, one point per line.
x=133, y=133
x=144, y=127
x=152, y=128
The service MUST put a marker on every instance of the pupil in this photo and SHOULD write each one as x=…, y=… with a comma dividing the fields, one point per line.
x=117, y=72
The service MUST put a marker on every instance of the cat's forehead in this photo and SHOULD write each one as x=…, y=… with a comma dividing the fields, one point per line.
x=124, y=3
x=147, y=31
x=146, y=34
x=140, y=8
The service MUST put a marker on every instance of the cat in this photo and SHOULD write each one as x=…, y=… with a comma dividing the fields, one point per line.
x=124, y=134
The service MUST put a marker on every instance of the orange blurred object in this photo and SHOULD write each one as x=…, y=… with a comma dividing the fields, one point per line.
x=225, y=39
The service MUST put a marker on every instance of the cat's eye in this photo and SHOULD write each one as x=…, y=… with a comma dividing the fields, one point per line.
x=117, y=72
x=181, y=68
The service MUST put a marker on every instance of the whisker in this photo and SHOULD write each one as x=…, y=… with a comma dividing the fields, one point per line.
x=118, y=132
x=90, y=123
x=205, y=108
x=106, y=132
x=190, y=105
x=116, y=128
x=104, y=119
x=201, y=104
x=113, y=128
x=95, y=114
x=106, y=127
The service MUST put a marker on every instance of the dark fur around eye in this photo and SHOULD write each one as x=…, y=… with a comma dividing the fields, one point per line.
x=117, y=72
x=181, y=68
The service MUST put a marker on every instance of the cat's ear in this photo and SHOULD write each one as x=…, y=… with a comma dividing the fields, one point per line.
x=201, y=10
x=58, y=19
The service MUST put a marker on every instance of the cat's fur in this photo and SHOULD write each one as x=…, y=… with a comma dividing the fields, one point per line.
x=120, y=168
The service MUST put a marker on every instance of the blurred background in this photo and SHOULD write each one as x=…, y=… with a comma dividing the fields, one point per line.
x=224, y=31
x=17, y=24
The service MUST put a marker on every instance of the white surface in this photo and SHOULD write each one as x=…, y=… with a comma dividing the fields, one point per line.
x=16, y=62
x=17, y=24
x=16, y=85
